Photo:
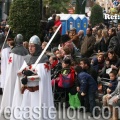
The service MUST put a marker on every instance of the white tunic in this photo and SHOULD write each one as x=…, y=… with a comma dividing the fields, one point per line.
x=4, y=61
x=34, y=99
x=14, y=64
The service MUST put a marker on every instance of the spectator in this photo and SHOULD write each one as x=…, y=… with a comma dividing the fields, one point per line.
x=44, y=45
x=55, y=50
x=66, y=64
x=67, y=32
x=103, y=45
x=88, y=44
x=114, y=100
x=65, y=42
x=112, y=61
x=55, y=66
x=113, y=44
x=98, y=39
x=118, y=27
x=81, y=38
x=75, y=40
x=48, y=35
x=88, y=88
x=94, y=31
x=111, y=86
x=72, y=32
x=59, y=56
x=57, y=23
x=85, y=64
x=56, y=40
x=11, y=44
x=67, y=53
x=98, y=62
x=51, y=23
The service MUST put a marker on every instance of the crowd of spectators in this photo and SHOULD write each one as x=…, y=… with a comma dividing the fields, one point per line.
x=91, y=56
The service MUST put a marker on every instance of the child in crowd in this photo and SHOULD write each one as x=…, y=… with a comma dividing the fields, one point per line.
x=114, y=100
x=111, y=86
x=107, y=66
x=66, y=70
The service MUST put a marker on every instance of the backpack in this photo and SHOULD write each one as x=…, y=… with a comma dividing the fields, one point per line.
x=74, y=101
x=67, y=80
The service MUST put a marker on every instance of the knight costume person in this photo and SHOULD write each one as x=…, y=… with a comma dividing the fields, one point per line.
x=33, y=86
x=15, y=61
x=5, y=52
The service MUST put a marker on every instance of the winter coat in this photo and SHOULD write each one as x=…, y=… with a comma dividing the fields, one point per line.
x=88, y=46
x=113, y=44
x=50, y=24
x=114, y=85
x=103, y=46
x=87, y=83
x=57, y=23
x=117, y=90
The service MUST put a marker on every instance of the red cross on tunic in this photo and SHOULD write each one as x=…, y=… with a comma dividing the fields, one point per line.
x=30, y=67
x=47, y=67
x=32, y=79
x=10, y=60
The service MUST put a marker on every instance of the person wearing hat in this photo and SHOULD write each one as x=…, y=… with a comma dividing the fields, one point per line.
x=15, y=61
x=33, y=85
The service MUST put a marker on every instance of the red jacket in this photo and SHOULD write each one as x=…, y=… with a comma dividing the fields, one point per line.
x=57, y=23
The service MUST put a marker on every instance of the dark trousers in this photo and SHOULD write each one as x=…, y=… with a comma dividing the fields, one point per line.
x=90, y=100
x=81, y=98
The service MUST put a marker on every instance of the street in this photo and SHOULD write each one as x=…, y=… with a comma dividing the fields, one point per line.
x=66, y=115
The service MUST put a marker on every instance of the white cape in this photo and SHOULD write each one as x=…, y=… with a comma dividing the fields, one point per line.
x=14, y=64
x=35, y=99
x=4, y=60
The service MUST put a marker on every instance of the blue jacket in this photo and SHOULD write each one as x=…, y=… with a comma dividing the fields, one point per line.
x=87, y=83
x=114, y=85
